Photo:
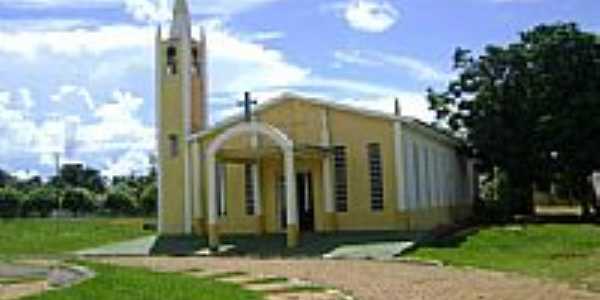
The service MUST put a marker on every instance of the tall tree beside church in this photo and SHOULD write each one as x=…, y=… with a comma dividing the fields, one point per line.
x=530, y=109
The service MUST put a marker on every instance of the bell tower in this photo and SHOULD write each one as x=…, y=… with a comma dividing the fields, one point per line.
x=181, y=110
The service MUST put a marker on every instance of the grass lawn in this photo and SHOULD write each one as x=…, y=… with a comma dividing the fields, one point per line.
x=113, y=282
x=569, y=252
x=22, y=237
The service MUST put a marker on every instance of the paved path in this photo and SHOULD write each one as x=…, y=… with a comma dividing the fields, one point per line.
x=26, y=279
x=371, y=280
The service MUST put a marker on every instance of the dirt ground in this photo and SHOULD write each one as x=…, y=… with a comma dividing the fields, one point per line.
x=370, y=280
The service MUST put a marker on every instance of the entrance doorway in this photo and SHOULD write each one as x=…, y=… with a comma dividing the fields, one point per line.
x=304, y=196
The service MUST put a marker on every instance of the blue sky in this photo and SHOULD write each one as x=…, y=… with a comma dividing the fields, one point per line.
x=76, y=77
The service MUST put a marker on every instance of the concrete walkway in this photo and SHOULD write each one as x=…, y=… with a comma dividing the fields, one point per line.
x=19, y=280
x=138, y=247
x=376, y=280
x=378, y=246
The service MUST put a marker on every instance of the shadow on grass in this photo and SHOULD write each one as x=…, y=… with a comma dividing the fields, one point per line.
x=274, y=245
x=454, y=236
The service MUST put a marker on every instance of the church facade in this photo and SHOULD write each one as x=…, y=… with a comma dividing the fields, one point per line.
x=295, y=164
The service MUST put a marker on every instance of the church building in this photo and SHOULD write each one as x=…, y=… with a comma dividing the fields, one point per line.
x=293, y=164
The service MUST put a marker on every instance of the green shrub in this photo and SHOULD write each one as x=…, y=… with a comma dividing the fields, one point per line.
x=79, y=200
x=41, y=200
x=149, y=200
x=10, y=202
x=119, y=202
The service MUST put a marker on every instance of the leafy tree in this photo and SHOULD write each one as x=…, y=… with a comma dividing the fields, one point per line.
x=78, y=200
x=6, y=179
x=10, y=202
x=75, y=175
x=28, y=184
x=529, y=109
x=42, y=200
x=149, y=200
x=120, y=201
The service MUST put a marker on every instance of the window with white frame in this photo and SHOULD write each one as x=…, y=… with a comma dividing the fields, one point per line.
x=409, y=179
x=417, y=176
x=426, y=178
x=376, y=176
x=221, y=176
x=249, y=189
x=433, y=177
x=341, y=178
x=440, y=178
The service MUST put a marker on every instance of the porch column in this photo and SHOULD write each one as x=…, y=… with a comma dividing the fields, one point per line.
x=256, y=187
x=213, y=233
x=293, y=230
x=328, y=193
x=327, y=174
x=257, y=199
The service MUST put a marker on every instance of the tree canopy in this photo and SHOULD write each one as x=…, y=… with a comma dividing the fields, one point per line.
x=530, y=109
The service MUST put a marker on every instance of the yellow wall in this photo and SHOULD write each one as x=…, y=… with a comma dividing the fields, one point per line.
x=301, y=121
x=171, y=121
x=172, y=169
x=356, y=132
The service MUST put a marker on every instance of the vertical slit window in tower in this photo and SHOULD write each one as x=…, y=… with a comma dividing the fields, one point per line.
x=341, y=179
x=376, y=175
x=173, y=145
x=172, y=60
x=249, y=189
x=195, y=61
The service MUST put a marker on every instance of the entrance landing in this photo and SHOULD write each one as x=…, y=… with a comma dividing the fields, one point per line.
x=348, y=245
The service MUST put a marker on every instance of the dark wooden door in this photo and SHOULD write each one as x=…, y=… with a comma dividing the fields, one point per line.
x=304, y=196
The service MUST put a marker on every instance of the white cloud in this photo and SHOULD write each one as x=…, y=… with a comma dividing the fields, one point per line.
x=72, y=92
x=147, y=10
x=236, y=65
x=26, y=99
x=55, y=3
x=132, y=162
x=412, y=104
x=516, y=1
x=264, y=36
x=16, y=127
x=25, y=174
x=372, y=16
x=33, y=44
x=117, y=126
x=417, y=68
x=226, y=7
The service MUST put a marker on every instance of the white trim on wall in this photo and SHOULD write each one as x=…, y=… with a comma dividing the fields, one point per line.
x=158, y=103
x=399, y=159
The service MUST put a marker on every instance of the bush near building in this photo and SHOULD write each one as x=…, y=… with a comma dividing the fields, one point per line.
x=78, y=201
x=119, y=202
x=10, y=202
x=149, y=200
x=42, y=200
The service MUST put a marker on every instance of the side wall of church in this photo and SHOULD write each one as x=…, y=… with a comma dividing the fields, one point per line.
x=435, y=180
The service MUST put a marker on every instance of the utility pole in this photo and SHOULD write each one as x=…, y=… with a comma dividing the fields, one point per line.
x=56, y=163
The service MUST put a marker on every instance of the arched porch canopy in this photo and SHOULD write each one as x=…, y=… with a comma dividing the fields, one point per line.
x=287, y=147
